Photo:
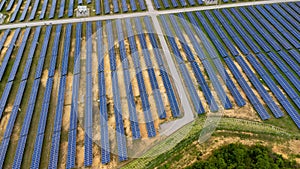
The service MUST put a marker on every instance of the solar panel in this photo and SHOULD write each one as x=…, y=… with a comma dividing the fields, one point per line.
x=44, y=8
x=9, y=52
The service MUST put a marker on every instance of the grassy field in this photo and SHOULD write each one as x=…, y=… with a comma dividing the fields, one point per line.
x=189, y=149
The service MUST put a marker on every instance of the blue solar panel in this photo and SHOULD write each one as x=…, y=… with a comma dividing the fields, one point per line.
x=33, y=11
x=141, y=85
x=295, y=55
x=194, y=96
x=20, y=54
x=67, y=44
x=127, y=80
x=39, y=69
x=16, y=11
x=273, y=31
x=157, y=95
x=11, y=122
x=44, y=8
x=294, y=66
x=124, y=6
x=115, y=6
x=98, y=7
x=106, y=7
x=74, y=105
x=54, y=51
x=207, y=66
x=295, y=81
x=9, y=52
x=174, y=3
x=2, y=4
x=279, y=17
x=142, y=5
x=261, y=90
x=157, y=5
x=10, y=5
x=4, y=37
x=52, y=9
x=182, y=3
x=61, y=8
x=4, y=97
x=294, y=7
x=216, y=60
x=258, y=27
x=246, y=88
x=71, y=149
x=290, y=11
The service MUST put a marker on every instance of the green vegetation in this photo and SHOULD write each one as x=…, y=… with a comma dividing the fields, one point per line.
x=227, y=128
x=241, y=156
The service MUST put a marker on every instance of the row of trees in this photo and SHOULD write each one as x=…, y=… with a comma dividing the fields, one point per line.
x=244, y=157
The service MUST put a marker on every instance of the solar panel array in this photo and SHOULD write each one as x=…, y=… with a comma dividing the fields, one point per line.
x=56, y=132
x=105, y=144
x=88, y=121
x=163, y=4
x=166, y=81
x=74, y=105
x=140, y=79
x=286, y=62
x=127, y=81
x=120, y=134
x=32, y=10
x=213, y=55
x=31, y=104
x=9, y=52
x=194, y=97
x=37, y=151
x=268, y=58
x=18, y=98
x=157, y=95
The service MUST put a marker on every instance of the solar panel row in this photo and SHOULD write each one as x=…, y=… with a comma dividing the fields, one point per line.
x=56, y=132
x=44, y=8
x=273, y=87
x=268, y=100
x=285, y=24
x=3, y=38
x=17, y=102
x=154, y=84
x=46, y=101
x=290, y=11
x=207, y=93
x=120, y=134
x=212, y=55
x=294, y=7
x=52, y=9
x=71, y=156
x=279, y=28
x=142, y=89
x=286, y=16
x=127, y=80
x=188, y=81
x=88, y=118
x=166, y=81
x=16, y=11
x=33, y=11
x=16, y=66
x=236, y=73
x=9, y=52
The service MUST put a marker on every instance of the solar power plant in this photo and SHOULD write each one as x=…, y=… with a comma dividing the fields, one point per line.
x=98, y=93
